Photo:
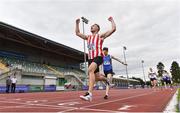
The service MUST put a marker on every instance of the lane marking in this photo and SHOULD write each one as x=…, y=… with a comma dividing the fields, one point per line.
x=36, y=104
x=69, y=108
x=36, y=101
x=72, y=108
x=16, y=99
x=113, y=91
x=97, y=97
x=69, y=103
x=81, y=108
x=96, y=109
x=20, y=106
x=125, y=107
x=119, y=99
x=85, y=107
x=171, y=105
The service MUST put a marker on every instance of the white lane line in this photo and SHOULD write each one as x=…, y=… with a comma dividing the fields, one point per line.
x=42, y=107
x=16, y=99
x=69, y=103
x=77, y=99
x=20, y=106
x=36, y=104
x=171, y=106
x=85, y=107
x=23, y=99
x=36, y=101
x=81, y=108
x=100, y=110
x=126, y=107
x=67, y=110
x=118, y=99
x=51, y=102
x=47, y=102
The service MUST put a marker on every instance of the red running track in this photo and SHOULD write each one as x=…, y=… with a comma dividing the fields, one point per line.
x=121, y=100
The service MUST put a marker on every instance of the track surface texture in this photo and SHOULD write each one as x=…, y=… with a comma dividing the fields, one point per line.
x=120, y=100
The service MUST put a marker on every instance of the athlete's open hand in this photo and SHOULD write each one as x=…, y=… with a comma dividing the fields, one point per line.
x=110, y=18
x=77, y=21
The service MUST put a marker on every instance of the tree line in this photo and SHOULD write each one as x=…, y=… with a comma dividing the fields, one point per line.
x=174, y=70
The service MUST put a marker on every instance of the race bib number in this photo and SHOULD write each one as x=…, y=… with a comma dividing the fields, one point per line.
x=91, y=47
x=107, y=63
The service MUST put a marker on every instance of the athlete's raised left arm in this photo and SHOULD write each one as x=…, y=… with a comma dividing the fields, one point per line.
x=118, y=60
x=112, y=30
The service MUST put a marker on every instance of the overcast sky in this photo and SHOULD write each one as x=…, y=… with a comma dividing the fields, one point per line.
x=150, y=29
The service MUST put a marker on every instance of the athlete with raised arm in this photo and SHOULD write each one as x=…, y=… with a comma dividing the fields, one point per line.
x=95, y=52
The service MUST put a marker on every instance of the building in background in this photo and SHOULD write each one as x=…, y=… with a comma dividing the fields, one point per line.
x=37, y=61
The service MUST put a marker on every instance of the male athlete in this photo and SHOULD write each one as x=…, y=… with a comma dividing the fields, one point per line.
x=107, y=67
x=166, y=79
x=153, y=77
x=95, y=56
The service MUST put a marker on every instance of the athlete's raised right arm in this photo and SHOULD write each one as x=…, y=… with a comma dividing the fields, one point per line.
x=78, y=31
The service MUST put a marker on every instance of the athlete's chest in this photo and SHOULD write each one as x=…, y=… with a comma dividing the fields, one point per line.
x=94, y=42
x=92, y=38
x=107, y=60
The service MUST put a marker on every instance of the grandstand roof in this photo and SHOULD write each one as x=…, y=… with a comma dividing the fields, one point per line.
x=120, y=78
x=20, y=36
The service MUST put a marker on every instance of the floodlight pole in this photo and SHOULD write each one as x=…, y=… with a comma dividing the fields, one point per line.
x=124, y=49
x=85, y=21
x=143, y=71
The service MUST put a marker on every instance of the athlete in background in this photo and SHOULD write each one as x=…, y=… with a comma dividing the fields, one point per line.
x=108, y=69
x=153, y=77
x=167, y=80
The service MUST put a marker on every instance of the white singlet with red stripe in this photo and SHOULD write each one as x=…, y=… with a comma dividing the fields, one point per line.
x=94, y=44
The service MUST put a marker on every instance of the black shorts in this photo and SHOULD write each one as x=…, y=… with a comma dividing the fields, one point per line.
x=108, y=72
x=98, y=60
x=168, y=82
x=152, y=79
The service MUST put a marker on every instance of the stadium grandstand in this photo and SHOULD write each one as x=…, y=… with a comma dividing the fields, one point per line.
x=121, y=82
x=39, y=63
x=37, y=60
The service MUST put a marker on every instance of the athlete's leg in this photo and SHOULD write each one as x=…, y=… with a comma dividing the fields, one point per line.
x=91, y=71
x=171, y=86
x=152, y=84
x=155, y=84
x=168, y=85
x=109, y=76
x=100, y=77
x=165, y=85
